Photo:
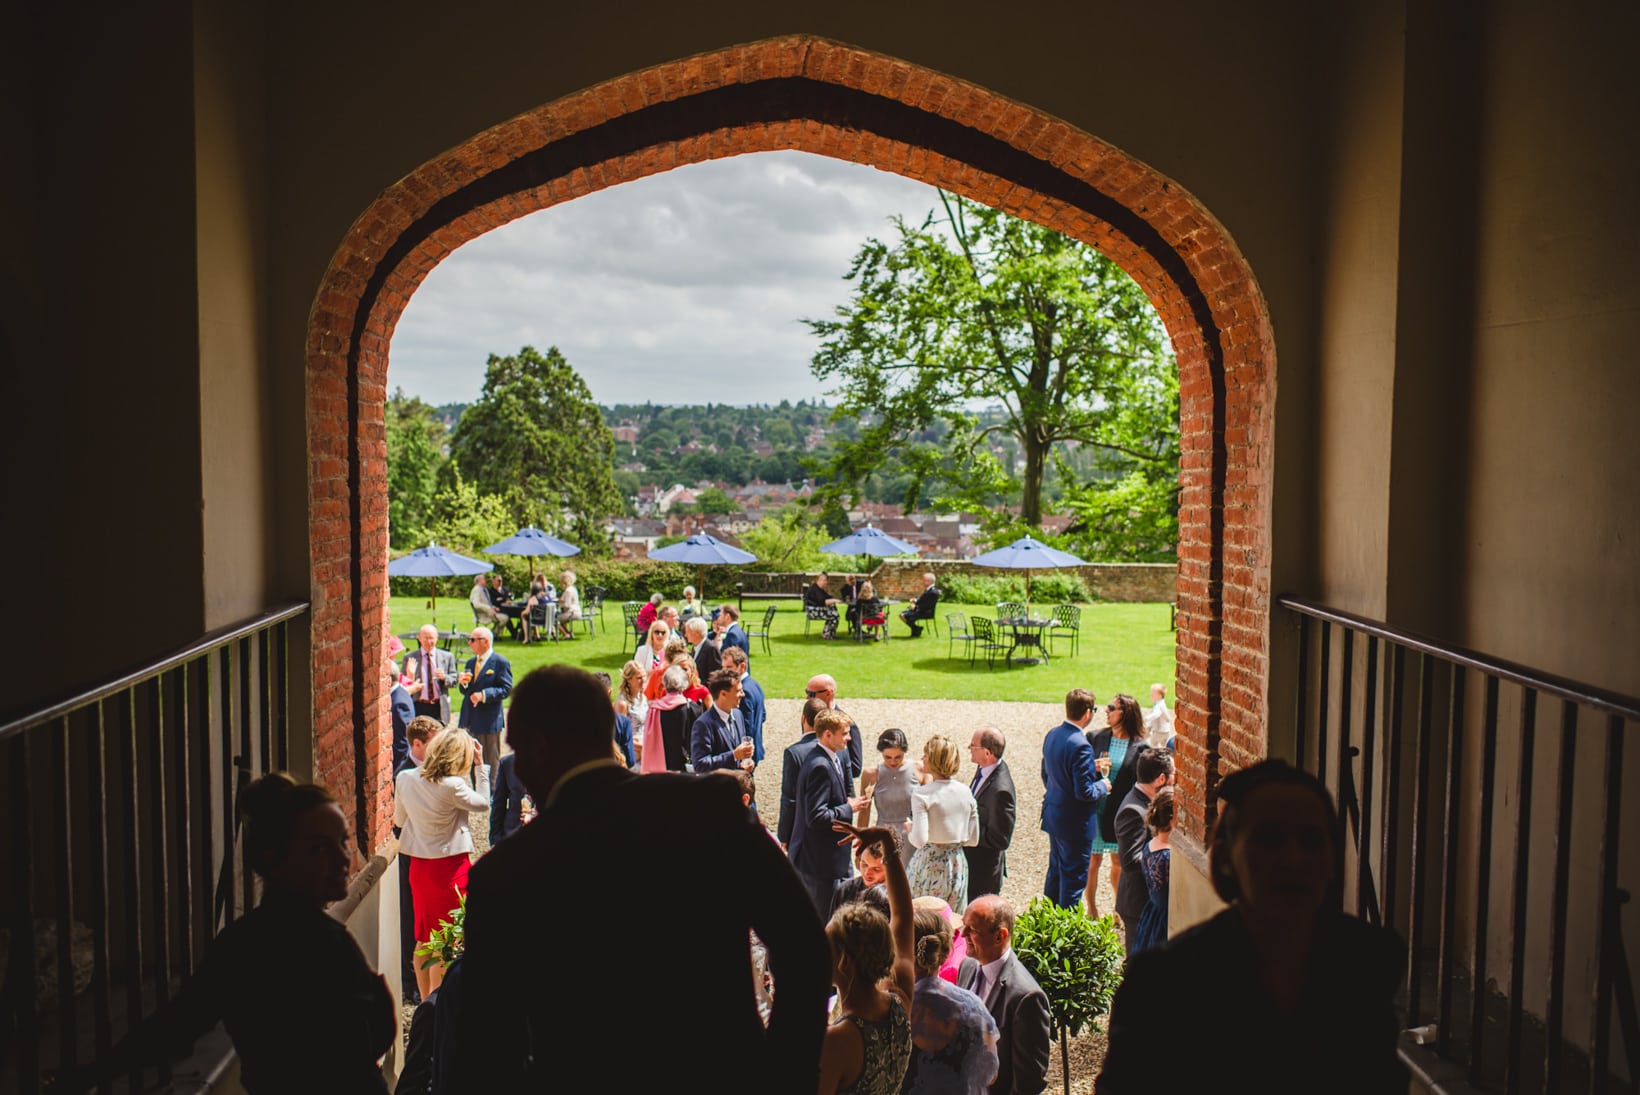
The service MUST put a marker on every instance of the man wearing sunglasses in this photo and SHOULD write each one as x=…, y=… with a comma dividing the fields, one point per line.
x=823, y=687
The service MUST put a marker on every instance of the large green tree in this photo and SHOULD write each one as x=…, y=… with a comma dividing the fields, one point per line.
x=974, y=309
x=536, y=439
x=415, y=454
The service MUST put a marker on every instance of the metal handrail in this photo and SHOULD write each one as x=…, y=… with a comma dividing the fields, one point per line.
x=1613, y=703
x=211, y=640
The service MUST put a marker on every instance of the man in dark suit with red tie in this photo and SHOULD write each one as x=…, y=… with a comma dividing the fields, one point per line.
x=431, y=674
x=822, y=798
x=993, y=788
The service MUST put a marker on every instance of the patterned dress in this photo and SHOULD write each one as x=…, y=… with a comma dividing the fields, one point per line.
x=954, y=1042
x=892, y=798
x=1152, y=929
x=887, y=1051
x=1118, y=753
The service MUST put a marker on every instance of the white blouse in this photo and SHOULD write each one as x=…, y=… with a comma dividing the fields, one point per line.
x=944, y=812
x=432, y=814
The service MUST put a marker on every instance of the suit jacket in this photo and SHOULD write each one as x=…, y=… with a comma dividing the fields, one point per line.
x=506, y=801
x=623, y=739
x=708, y=658
x=1071, y=785
x=625, y=839
x=712, y=740
x=923, y=607
x=822, y=797
x=441, y=659
x=753, y=711
x=1131, y=838
x=734, y=636
x=1020, y=1008
x=403, y=712
x=988, y=860
x=496, y=684
x=791, y=761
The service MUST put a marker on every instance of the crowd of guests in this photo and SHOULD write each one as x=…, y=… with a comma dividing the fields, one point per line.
x=495, y=607
x=646, y=786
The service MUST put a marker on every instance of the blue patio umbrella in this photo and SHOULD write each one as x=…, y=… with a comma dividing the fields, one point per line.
x=435, y=562
x=869, y=541
x=1027, y=554
x=530, y=542
x=704, y=551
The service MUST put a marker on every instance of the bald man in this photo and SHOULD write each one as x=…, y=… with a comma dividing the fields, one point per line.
x=822, y=686
x=430, y=675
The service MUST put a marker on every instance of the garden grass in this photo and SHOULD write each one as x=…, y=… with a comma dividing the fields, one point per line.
x=1124, y=648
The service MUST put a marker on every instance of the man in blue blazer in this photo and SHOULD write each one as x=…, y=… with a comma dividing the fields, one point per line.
x=485, y=684
x=715, y=739
x=791, y=762
x=726, y=623
x=403, y=708
x=753, y=708
x=822, y=798
x=1071, y=791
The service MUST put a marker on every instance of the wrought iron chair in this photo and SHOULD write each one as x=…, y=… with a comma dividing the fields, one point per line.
x=816, y=614
x=629, y=614
x=985, y=638
x=763, y=633
x=956, y=631
x=1067, y=620
x=594, y=602
x=877, y=623
x=1010, y=610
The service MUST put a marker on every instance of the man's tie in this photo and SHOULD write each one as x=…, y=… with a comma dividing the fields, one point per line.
x=979, y=983
x=978, y=775
x=426, y=678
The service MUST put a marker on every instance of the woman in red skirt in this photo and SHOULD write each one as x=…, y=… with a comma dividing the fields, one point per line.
x=431, y=806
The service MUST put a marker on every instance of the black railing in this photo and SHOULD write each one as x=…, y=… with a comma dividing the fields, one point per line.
x=1435, y=752
x=122, y=867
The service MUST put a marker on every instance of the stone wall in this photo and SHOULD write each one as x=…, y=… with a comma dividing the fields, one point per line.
x=1106, y=581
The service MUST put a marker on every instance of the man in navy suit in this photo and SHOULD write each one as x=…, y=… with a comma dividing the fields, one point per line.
x=922, y=608
x=822, y=798
x=753, y=707
x=791, y=762
x=726, y=622
x=1071, y=790
x=485, y=684
x=715, y=739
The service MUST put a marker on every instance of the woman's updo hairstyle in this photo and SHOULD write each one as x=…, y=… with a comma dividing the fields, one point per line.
x=862, y=933
x=893, y=738
x=269, y=808
x=933, y=941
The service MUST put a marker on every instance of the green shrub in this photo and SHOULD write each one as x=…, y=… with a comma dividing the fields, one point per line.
x=969, y=590
x=1077, y=961
x=447, y=941
x=1059, y=588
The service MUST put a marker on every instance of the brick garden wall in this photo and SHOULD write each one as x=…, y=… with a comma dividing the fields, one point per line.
x=818, y=96
x=1106, y=581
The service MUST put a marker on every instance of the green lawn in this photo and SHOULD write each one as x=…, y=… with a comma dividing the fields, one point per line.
x=1124, y=648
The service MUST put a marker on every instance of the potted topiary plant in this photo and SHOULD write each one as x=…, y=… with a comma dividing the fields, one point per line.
x=1078, y=963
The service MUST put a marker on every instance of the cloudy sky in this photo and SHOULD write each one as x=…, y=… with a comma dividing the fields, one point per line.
x=685, y=287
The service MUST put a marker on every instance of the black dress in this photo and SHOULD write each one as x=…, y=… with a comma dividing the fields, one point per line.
x=1340, y=1037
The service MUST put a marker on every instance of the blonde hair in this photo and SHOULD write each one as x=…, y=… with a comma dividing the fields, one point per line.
x=944, y=758
x=675, y=645
x=632, y=671
x=868, y=591
x=568, y=577
x=829, y=720
x=448, y=754
x=862, y=933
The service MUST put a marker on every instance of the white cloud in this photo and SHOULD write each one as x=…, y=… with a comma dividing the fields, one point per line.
x=685, y=287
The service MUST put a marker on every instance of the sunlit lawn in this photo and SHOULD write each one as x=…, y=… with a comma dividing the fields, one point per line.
x=1124, y=648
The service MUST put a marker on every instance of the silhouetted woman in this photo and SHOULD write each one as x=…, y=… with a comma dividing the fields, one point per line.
x=303, y=1007
x=1305, y=992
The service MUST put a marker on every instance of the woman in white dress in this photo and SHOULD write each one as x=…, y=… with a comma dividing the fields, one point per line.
x=569, y=604
x=944, y=820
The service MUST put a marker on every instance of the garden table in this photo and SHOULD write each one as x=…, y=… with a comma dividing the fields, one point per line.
x=1027, y=633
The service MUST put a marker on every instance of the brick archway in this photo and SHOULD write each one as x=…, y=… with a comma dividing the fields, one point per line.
x=818, y=96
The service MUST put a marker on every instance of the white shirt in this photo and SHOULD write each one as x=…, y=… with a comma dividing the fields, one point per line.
x=432, y=815
x=944, y=812
x=991, y=971
x=1159, y=723
x=985, y=774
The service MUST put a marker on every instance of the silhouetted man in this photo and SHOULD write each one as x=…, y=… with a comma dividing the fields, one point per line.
x=1071, y=788
x=541, y=1006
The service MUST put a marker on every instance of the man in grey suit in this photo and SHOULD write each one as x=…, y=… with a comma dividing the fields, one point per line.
x=1152, y=771
x=1011, y=995
x=432, y=675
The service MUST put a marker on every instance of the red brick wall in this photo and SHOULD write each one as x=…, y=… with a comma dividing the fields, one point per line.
x=960, y=137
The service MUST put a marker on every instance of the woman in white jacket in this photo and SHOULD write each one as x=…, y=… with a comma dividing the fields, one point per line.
x=431, y=806
x=944, y=820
